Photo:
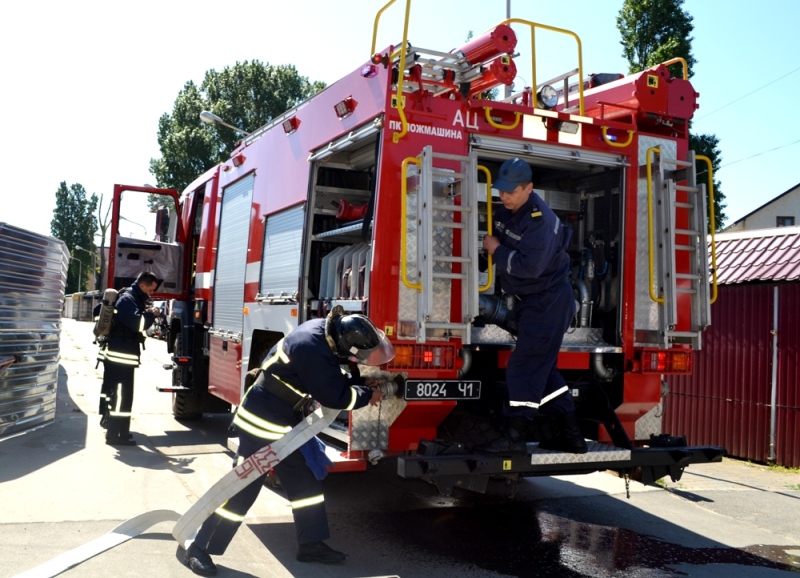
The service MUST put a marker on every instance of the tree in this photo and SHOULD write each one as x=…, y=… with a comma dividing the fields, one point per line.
x=655, y=31
x=74, y=223
x=707, y=145
x=104, y=224
x=247, y=95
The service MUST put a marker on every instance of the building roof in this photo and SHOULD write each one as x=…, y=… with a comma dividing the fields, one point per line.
x=754, y=211
x=758, y=255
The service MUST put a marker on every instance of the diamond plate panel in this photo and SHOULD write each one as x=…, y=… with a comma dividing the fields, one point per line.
x=409, y=299
x=598, y=453
x=492, y=334
x=370, y=424
x=649, y=423
x=646, y=312
x=576, y=339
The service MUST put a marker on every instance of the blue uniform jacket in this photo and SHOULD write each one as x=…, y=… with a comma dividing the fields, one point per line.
x=130, y=320
x=532, y=255
x=313, y=369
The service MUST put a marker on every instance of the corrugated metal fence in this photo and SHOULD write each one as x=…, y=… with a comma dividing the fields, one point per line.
x=33, y=272
x=728, y=400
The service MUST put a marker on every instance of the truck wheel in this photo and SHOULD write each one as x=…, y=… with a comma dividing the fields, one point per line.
x=185, y=405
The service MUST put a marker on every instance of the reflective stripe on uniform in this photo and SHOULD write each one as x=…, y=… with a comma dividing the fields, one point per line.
x=121, y=358
x=545, y=399
x=114, y=411
x=508, y=263
x=280, y=355
x=228, y=515
x=524, y=404
x=257, y=426
x=305, y=502
x=353, y=399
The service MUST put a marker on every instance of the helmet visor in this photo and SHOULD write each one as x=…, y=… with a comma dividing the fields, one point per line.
x=378, y=355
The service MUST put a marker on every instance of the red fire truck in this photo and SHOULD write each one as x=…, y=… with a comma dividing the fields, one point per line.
x=374, y=195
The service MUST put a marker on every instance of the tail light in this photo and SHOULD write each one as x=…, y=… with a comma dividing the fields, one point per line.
x=423, y=357
x=666, y=361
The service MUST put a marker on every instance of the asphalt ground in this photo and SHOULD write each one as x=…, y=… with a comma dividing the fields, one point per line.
x=61, y=486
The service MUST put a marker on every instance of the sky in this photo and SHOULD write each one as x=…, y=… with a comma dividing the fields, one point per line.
x=85, y=82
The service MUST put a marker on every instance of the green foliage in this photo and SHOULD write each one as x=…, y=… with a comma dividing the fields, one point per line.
x=246, y=95
x=188, y=147
x=74, y=223
x=707, y=145
x=654, y=31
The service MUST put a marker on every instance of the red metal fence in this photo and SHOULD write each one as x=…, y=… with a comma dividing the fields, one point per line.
x=727, y=401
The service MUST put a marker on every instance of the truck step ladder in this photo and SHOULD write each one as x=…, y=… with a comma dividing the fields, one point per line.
x=446, y=244
x=681, y=249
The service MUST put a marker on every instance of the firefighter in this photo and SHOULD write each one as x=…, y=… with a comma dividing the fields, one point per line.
x=304, y=365
x=532, y=263
x=120, y=356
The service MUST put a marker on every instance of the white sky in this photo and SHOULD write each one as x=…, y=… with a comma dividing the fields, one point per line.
x=85, y=82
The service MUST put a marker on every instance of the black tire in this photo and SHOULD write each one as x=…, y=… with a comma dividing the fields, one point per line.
x=185, y=405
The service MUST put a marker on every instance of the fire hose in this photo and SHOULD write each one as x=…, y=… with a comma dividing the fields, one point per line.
x=188, y=524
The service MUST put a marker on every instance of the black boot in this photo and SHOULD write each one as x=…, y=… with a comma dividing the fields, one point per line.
x=319, y=552
x=118, y=434
x=199, y=561
x=512, y=438
x=569, y=439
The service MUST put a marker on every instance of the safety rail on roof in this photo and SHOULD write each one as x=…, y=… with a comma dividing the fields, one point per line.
x=432, y=68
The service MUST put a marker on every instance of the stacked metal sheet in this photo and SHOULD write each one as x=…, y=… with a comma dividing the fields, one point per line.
x=33, y=272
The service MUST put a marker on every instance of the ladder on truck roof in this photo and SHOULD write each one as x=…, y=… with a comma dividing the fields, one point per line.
x=440, y=221
x=677, y=240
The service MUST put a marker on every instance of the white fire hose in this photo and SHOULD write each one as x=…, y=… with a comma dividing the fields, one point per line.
x=188, y=524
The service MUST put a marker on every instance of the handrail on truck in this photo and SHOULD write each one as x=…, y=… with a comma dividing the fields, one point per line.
x=490, y=270
x=712, y=222
x=712, y=225
x=404, y=222
x=533, y=26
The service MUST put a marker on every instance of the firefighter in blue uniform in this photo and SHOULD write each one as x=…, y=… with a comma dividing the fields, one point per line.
x=530, y=255
x=304, y=365
x=120, y=356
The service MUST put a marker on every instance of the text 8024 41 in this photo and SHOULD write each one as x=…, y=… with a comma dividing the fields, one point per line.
x=417, y=389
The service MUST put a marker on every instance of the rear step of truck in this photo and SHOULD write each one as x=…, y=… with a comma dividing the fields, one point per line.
x=449, y=465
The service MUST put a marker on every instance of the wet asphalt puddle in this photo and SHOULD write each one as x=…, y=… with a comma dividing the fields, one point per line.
x=518, y=540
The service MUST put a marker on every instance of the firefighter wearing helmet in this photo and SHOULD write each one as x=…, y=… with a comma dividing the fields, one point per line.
x=304, y=365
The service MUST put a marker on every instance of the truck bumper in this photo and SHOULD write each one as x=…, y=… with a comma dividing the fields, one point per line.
x=448, y=465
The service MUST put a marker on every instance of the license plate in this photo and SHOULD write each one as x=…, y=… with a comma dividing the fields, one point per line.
x=417, y=389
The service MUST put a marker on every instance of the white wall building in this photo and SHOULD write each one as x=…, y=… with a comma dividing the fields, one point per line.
x=782, y=211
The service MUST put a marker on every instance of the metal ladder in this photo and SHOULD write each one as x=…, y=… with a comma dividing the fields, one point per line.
x=675, y=237
x=437, y=249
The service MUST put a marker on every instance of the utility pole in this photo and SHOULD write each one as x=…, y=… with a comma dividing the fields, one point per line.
x=71, y=258
x=508, y=16
x=94, y=269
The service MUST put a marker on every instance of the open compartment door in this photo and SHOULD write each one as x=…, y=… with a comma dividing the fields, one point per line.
x=146, y=235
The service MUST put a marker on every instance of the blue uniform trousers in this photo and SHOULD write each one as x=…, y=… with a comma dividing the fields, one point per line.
x=297, y=480
x=117, y=390
x=533, y=380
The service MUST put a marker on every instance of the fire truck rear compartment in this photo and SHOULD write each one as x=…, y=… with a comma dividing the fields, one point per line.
x=587, y=199
x=340, y=218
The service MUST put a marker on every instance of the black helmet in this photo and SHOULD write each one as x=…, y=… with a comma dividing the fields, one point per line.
x=355, y=337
